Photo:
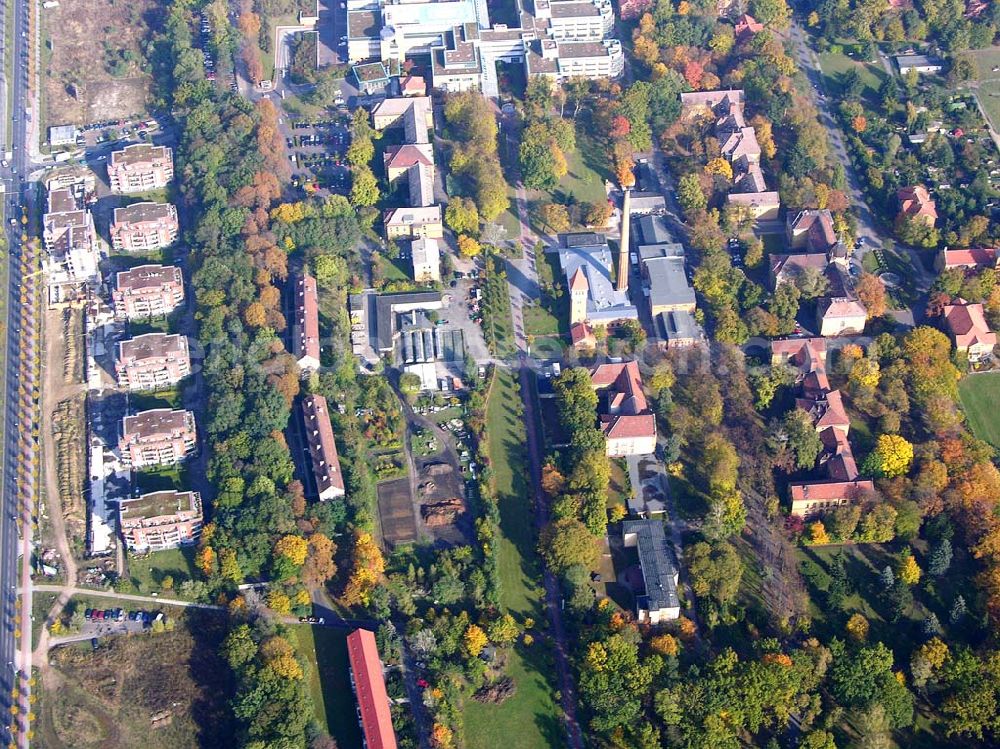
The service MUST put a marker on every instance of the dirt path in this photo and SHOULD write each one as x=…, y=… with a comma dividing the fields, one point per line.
x=55, y=390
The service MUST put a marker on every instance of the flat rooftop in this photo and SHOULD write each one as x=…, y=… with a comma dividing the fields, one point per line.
x=151, y=345
x=138, y=153
x=138, y=213
x=148, y=276
x=574, y=10
x=667, y=282
x=160, y=504
x=569, y=50
x=363, y=24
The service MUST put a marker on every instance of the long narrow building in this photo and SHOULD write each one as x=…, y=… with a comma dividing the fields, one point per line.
x=369, y=690
x=322, y=448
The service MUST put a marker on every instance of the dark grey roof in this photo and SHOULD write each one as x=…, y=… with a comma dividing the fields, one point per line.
x=654, y=230
x=384, y=304
x=583, y=239
x=659, y=573
x=680, y=325
x=667, y=282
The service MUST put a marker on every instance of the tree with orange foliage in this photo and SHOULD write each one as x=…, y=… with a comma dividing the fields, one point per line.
x=255, y=315
x=367, y=566
x=623, y=163
x=553, y=482
x=694, y=71
x=871, y=293
x=206, y=561
x=781, y=659
x=859, y=123
x=249, y=23
x=251, y=59
x=686, y=629
x=665, y=645
x=442, y=737
x=319, y=566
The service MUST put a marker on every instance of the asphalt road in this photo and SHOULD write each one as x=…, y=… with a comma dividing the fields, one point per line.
x=18, y=439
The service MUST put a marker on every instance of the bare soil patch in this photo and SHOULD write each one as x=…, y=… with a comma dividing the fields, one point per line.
x=395, y=508
x=96, y=69
x=164, y=690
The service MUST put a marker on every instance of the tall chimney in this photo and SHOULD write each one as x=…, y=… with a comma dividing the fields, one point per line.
x=622, y=283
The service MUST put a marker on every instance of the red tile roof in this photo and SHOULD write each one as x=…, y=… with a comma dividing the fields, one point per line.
x=579, y=282
x=305, y=334
x=968, y=325
x=916, y=202
x=369, y=687
x=970, y=258
x=626, y=380
x=322, y=447
x=827, y=490
x=747, y=24
x=626, y=426
x=405, y=156
x=582, y=335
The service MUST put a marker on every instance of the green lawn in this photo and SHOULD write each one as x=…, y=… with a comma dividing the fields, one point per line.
x=834, y=65
x=540, y=320
x=158, y=399
x=989, y=82
x=527, y=720
x=163, y=478
x=618, y=487
x=587, y=170
x=147, y=572
x=324, y=650
x=980, y=393
x=532, y=709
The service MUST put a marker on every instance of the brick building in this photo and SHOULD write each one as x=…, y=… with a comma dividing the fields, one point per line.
x=152, y=361
x=140, y=167
x=148, y=291
x=141, y=227
x=160, y=520
x=322, y=448
x=160, y=436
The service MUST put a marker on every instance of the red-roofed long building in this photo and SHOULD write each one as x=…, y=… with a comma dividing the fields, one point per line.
x=305, y=330
x=322, y=448
x=978, y=257
x=625, y=418
x=369, y=690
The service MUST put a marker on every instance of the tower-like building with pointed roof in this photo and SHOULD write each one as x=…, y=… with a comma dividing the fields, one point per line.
x=578, y=289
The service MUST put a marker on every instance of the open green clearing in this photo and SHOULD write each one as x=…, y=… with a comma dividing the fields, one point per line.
x=988, y=80
x=980, y=394
x=324, y=650
x=835, y=64
x=528, y=719
x=148, y=571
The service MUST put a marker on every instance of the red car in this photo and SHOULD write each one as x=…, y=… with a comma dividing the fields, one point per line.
x=423, y=683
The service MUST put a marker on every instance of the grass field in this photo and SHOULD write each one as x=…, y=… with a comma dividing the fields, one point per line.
x=532, y=709
x=325, y=651
x=980, y=393
x=835, y=64
x=147, y=572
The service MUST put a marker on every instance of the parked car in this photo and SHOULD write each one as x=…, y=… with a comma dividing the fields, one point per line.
x=88, y=614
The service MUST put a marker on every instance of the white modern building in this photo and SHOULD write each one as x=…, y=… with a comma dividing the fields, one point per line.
x=556, y=38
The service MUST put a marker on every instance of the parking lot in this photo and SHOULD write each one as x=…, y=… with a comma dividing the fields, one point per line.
x=117, y=621
x=317, y=151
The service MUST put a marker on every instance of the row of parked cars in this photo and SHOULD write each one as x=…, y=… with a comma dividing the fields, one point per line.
x=120, y=615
